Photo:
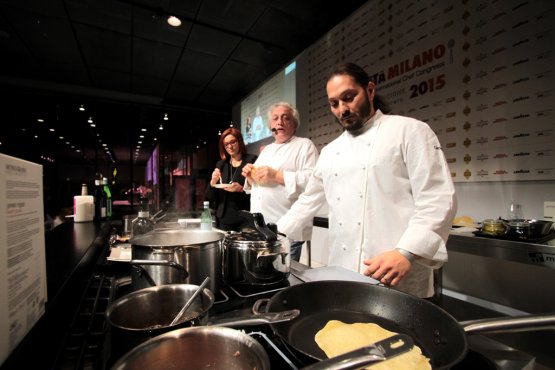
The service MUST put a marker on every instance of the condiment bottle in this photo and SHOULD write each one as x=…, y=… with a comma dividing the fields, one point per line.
x=143, y=224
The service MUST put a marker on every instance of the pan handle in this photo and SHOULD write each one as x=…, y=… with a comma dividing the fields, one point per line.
x=509, y=324
x=260, y=319
x=380, y=351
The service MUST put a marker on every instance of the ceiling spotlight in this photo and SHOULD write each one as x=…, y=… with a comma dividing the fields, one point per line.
x=82, y=108
x=165, y=117
x=161, y=127
x=174, y=21
x=93, y=125
x=90, y=120
x=40, y=120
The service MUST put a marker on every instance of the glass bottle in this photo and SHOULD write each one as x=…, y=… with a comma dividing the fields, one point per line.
x=206, y=217
x=108, y=193
x=99, y=201
x=143, y=224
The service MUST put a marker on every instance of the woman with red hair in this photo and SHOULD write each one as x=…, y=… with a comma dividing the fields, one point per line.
x=227, y=181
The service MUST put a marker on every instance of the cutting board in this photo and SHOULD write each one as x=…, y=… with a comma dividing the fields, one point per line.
x=332, y=273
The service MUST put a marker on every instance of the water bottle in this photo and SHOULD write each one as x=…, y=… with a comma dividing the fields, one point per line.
x=206, y=217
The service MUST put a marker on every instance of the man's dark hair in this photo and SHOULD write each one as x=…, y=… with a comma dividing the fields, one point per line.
x=361, y=77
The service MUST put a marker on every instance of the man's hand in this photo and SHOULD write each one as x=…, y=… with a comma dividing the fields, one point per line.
x=387, y=267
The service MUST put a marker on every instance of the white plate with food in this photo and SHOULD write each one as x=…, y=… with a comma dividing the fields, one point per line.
x=222, y=186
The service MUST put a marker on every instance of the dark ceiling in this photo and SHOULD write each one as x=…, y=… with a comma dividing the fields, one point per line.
x=127, y=66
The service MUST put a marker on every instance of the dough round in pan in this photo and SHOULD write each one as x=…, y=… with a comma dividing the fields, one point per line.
x=338, y=337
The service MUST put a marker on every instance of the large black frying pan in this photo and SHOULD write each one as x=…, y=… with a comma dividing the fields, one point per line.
x=436, y=332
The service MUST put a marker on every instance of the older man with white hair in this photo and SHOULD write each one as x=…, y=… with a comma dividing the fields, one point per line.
x=282, y=170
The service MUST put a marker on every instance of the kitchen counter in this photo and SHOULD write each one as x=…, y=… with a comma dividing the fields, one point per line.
x=541, y=255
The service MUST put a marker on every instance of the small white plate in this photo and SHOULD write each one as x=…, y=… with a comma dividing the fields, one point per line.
x=221, y=186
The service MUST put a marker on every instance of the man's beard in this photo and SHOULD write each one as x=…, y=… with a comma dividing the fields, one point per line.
x=363, y=115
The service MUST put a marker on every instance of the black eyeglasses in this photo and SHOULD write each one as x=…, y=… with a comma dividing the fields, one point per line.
x=230, y=143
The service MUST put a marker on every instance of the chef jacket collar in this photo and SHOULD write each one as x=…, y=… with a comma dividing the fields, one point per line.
x=369, y=123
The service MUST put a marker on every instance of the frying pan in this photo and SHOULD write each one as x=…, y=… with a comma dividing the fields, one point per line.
x=441, y=337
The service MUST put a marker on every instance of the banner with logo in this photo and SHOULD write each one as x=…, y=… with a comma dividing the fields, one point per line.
x=479, y=73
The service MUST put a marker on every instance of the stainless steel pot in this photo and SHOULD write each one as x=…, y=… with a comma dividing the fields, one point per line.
x=141, y=315
x=256, y=256
x=197, y=348
x=177, y=256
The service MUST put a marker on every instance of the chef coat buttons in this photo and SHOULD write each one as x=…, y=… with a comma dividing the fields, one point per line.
x=358, y=223
x=338, y=198
x=363, y=168
x=340, y=224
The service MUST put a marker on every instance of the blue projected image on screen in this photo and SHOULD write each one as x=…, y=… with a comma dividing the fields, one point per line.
x=254, y=108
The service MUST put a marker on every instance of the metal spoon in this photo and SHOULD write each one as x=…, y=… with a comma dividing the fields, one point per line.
x=190, y=301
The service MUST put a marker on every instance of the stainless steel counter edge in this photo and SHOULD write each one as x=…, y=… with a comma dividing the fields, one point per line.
x=533, y=254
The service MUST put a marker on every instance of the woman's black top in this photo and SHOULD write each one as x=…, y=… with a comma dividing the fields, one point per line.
x=226, y=203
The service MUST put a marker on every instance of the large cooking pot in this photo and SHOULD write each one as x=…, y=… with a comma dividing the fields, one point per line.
x=257, y=255
x=177, y=256
x=141, y=315
x=438, y=334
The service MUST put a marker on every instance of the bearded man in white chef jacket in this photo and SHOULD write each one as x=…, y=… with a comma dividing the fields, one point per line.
x=388, y=187
x=281, y=172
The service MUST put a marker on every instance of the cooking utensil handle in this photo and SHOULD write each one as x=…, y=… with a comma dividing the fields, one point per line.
x=260, y=319
x=187, y=304
x=509, y=324
x=377, y=352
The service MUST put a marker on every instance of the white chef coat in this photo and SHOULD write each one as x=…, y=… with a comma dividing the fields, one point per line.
x=296, y=158
x=389, y=187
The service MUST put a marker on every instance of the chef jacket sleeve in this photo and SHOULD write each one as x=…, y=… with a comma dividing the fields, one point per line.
x=304, y=209
x=305, y=159
x=434, y=199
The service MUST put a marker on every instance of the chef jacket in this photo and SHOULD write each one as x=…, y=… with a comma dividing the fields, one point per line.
x=389, y=187
x=296, y=158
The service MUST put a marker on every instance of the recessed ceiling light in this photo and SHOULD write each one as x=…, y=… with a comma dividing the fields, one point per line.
x=174, y=21
x=166, y=117
x=90, y=120
x=40, y=120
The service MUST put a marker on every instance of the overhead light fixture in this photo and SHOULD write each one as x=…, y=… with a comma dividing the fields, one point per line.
x=174, y=21
x=90, y=120
x=161, y=127
x=82, y=108
x=40, y=120
x=166, y=117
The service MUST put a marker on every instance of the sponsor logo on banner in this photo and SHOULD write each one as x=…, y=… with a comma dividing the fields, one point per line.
x=467, y=142
x=500, y=155
x=482, y=157
x=467, y=158
x=482, y=173
x=467, y=174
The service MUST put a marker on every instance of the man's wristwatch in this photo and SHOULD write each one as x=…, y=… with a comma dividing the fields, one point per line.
x=408, y=255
